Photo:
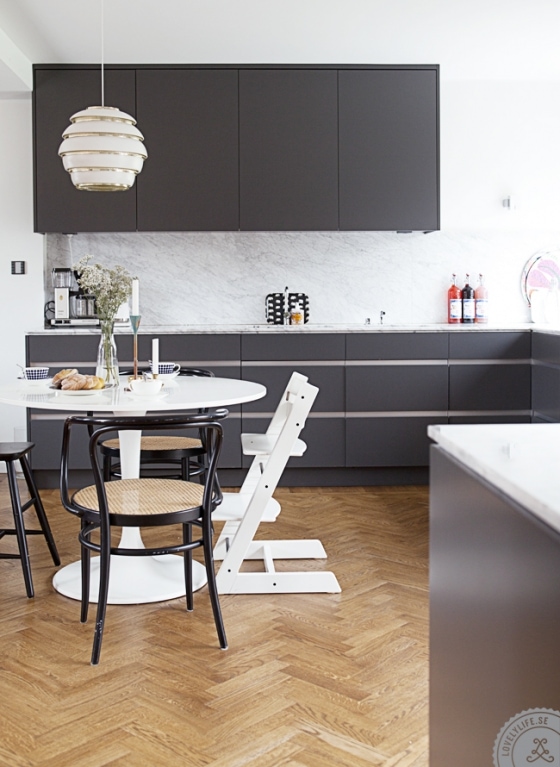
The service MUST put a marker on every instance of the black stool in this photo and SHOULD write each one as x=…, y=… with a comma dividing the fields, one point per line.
x=17, y=451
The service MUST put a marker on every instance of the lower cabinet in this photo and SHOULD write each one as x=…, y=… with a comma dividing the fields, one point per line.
x=383, y=442
x=546, y=378
x=378, y=392
x=490, y=387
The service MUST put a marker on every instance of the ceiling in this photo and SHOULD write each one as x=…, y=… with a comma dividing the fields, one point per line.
x=479, y=39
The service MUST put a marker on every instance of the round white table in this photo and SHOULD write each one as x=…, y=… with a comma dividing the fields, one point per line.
x=135, y=580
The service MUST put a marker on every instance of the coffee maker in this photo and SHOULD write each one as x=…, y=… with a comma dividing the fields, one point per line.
x=71, y=307
x=61, y=282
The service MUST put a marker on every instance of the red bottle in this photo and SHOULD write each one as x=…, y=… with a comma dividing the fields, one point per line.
x=454, y=303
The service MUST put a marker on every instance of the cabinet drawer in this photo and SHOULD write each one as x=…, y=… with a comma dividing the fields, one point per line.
x=546, y=348
x=329, y=380
x=396, y=387
x=65, y=348
x=488, y=345
x=397, y=346
x=490, y=387
x=546, y=392
x=188, y=348
x=388, y=441
x=47, y=436
x=315, y=346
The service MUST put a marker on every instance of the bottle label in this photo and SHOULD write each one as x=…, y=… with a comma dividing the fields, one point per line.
x=468, y=308
x=481, y=308
x=455, y=309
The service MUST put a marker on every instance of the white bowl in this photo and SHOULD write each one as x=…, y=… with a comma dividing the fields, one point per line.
x=146, y=388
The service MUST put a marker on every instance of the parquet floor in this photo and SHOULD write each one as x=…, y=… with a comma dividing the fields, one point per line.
x=308, y=680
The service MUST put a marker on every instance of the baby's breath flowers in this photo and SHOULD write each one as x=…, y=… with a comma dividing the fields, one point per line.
x=111, y=287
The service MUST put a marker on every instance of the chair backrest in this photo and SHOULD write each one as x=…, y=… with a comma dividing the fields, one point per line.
x=99, y=426
x=184, y=371
x=284, y=428
x=294, y=385
x=202, y=372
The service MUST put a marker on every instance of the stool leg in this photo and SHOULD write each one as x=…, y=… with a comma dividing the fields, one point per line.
x=19, y=527
x=39, y=508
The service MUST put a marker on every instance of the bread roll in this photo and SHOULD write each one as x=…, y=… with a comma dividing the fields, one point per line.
x=74, y=382
x=61, y=375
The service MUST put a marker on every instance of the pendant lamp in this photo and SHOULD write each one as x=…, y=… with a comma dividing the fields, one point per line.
x=102, y=149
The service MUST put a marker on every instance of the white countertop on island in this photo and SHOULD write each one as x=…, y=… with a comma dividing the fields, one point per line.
x=521, y=460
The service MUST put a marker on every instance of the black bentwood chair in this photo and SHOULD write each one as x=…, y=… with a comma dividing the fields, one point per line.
x=159, y=453
x=141, y=503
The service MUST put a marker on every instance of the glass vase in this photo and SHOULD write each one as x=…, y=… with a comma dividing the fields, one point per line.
x=107, y=362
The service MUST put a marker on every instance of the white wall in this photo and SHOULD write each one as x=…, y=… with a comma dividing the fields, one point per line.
x=21, y=301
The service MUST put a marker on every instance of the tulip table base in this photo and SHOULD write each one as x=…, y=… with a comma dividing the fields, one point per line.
x=132, y=580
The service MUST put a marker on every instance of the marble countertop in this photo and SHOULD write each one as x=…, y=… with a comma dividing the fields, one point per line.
x=521, y=460
x=309, y=328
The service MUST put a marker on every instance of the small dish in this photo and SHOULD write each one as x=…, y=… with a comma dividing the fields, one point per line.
x=168, y=376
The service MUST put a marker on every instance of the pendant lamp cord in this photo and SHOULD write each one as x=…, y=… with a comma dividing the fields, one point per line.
x=102, y=55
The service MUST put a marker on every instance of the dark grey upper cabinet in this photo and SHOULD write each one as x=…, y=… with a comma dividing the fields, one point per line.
x=388, y=134
x=288, y=149
x=190, y=181
x=250, y=147
x=59, y=206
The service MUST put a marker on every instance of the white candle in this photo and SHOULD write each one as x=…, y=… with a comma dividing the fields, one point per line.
x=135, y=297
x=155, y=356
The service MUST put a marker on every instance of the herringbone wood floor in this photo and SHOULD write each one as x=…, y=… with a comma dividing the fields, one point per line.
x=308, y=680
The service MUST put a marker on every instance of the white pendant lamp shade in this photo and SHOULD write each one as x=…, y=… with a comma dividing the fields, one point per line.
x=102, y=150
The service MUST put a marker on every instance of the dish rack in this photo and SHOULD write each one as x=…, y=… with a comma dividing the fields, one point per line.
x=274, y=307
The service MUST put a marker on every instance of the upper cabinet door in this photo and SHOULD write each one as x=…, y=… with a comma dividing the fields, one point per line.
x=389, y=173
x=288, y=149
x=59, y=206
x=189, y=119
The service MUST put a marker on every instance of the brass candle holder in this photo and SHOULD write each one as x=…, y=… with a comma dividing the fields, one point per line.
x=135, y=324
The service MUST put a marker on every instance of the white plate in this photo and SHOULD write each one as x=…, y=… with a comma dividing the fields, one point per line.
x=78, y=392
x=168, y=376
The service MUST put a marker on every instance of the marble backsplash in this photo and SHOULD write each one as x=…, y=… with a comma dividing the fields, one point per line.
x=220, y=278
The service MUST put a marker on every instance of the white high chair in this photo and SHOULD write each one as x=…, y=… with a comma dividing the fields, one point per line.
x=244, y=511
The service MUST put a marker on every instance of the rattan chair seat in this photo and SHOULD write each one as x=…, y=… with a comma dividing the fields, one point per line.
x=160, y=443
x=144, y=497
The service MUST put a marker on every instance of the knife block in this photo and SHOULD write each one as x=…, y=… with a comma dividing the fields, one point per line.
x=274, y=307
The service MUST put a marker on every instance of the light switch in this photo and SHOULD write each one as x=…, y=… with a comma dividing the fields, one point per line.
x=18, y=267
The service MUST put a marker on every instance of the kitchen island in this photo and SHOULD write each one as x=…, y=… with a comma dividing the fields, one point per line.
x=494, y=594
